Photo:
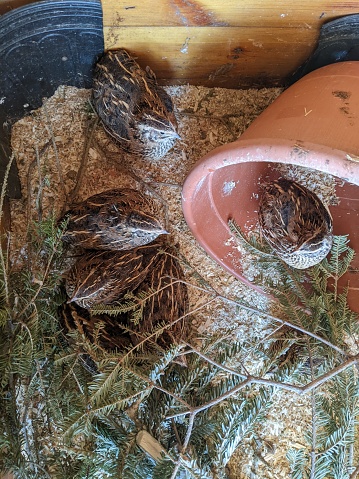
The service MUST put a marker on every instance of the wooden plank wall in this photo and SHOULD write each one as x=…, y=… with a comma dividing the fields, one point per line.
x=226, y=43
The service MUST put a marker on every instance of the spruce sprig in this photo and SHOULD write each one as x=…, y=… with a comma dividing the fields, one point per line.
x=312, y=301
x=69, y=408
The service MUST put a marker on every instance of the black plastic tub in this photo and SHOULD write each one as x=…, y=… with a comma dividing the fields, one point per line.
x=43, y=45
x=338, y=42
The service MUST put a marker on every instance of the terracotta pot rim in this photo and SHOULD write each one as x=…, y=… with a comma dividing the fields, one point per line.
x=264, y=150
x=271, y=150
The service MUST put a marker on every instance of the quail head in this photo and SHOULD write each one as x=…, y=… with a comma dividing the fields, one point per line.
x=133, y=108
x=118, y=219
x=295, y=222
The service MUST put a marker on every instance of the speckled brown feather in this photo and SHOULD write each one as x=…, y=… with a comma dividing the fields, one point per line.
x=102, y=277
x=110, y=336
x=133, y=108
x=295, y=222
x=169, y=302
x=118, y=219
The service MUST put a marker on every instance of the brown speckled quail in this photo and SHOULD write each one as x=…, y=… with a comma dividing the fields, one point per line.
x=133, y=108
x=295, y=222
x=150, y=271
x=118, y=219
x=102, y=277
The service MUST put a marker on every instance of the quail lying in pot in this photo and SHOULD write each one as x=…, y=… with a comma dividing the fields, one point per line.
x=296, y=223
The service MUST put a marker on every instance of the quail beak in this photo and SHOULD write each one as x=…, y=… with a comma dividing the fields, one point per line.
x=177, y=136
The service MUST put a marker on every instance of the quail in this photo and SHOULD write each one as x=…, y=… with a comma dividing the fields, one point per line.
x=295, y=223
x=118, y=219
x=133, y=108
x=152, y=272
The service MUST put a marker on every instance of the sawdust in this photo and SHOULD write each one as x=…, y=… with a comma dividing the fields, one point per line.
x=51, y=147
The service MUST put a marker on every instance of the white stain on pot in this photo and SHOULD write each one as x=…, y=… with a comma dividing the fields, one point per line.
x=228, y=187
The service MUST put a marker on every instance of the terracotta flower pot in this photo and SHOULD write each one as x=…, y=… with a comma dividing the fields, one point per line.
x=314, y=123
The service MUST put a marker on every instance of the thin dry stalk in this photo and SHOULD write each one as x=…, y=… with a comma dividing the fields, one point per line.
x=82, y=169
x=57, y=158
x=2, y=257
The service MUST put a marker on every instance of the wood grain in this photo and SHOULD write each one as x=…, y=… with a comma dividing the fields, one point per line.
x=215, y=56
x=233, y=44
x=150, y=445
x=254, y=13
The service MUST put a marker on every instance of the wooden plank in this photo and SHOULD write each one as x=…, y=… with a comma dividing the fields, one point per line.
x=150, y=445
x=232, y=57
x=236, y=43
x=259, y=13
